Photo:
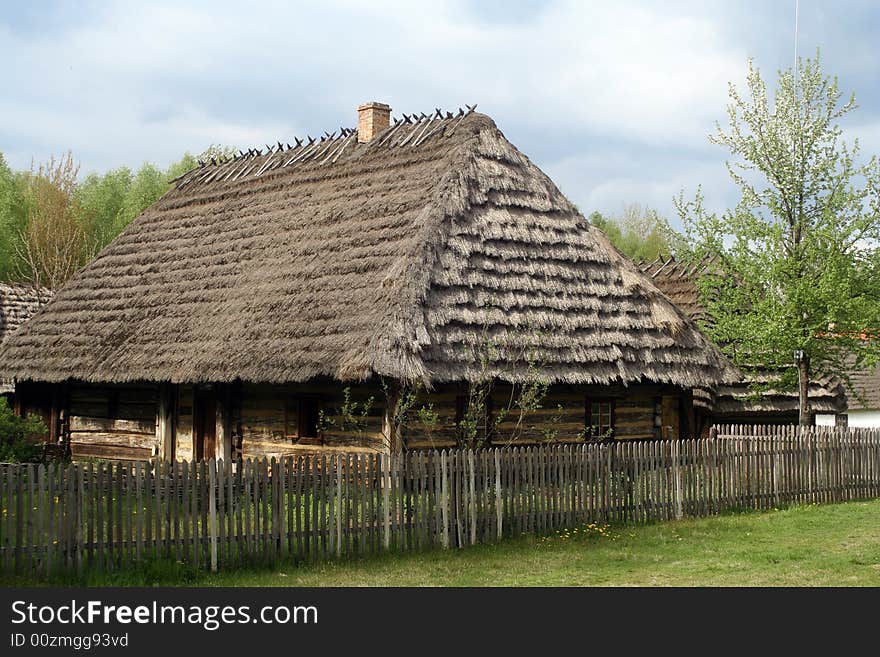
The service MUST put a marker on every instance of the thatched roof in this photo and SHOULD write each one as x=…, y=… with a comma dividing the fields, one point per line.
x=827, y=394
x=17, y=304
x=866, y=382
x=399, y=257
x=678, y=281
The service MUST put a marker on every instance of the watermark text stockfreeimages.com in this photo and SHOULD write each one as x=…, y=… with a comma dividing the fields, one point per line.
x=209, y=617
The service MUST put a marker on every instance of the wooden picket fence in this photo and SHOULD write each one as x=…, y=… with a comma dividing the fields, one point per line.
x=66, y=517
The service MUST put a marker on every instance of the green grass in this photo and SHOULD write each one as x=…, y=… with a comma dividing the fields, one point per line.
x=833, y=545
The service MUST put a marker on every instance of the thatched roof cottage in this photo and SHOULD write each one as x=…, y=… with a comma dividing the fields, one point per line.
x=737, y=402
x=229, y=318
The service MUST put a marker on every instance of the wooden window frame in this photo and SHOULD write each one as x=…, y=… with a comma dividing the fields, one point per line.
x=588, y=415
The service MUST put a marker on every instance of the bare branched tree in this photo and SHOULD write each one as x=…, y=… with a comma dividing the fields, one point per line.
x=52, y=246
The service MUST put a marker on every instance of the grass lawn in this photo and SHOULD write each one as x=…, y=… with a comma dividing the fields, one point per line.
x=832, y=545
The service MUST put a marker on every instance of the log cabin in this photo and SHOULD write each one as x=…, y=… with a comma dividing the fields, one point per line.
x=290, y=299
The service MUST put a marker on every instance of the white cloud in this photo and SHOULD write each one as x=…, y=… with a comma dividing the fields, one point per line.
x=613, y=99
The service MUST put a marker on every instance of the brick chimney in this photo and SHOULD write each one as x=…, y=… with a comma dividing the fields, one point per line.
x=373, y=118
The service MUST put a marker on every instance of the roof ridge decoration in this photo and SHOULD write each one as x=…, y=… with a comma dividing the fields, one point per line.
x=671, y=266
x=408, y=130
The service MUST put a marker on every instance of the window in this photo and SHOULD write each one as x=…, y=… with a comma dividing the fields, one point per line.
x=599, y=419
x=301, y=420
x=479, y=428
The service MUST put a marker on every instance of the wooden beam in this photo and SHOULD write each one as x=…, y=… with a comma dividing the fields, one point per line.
x=391, y=431
x=165, y=434
x=224, y=424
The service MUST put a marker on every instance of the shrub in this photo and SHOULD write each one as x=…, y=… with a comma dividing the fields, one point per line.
x=20, y=436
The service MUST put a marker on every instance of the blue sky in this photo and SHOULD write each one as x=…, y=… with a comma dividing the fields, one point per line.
x=613, y=99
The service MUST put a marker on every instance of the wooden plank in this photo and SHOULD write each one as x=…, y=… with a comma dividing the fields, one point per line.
x=139, y=510
x=212, y=512
x=70, y=515
x=7, y=520
x=29, y=491
x=499, y=510
x=360, y=516
x=240, y=504
x=188, y=506
x=419, y=503
x=385, y=464
x=18, y=495
x=323, y=523
x=447, y=495
x=338, y=494
x=40, y=507
x=300, y=550
x=316, y=523
x=265, y=504
x=221, y=512
x=82, y=423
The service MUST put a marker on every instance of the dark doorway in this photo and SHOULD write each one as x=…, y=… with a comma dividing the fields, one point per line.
x=204, y=425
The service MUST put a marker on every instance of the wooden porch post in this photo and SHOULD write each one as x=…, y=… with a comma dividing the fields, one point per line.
x=390, y=429
x=224, y=425
x=165, y=422
x=56, y=413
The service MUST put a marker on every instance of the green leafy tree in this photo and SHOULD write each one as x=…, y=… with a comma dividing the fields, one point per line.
x=148, y=184
x=640, y=233
x=19, y=436
x=101, y=200
x=13, y=219
x=795, y=288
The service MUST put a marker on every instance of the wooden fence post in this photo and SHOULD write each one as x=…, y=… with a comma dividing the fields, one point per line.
x=499, y=511
x=472, y=505
x=386, y=499
x=444, y=497
x=212, y=510
x=61, y=516
x=676, y=477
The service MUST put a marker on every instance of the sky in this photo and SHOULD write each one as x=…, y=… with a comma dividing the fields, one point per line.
x=614, y=100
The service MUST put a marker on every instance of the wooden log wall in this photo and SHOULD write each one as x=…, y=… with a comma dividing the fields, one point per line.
x=113, y=422
x=120, y=421
x=270, y=422
x=67, y=517
x=560, y=419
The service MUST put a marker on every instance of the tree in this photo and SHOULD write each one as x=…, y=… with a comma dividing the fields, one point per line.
x=101, y=200
x=639, y=233
x=20, y=437
x=13, y=219
x=794, y=287
x=52, y=246
x=51, y=223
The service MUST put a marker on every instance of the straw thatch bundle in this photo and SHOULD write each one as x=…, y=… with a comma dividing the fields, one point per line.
x=436, y=252
x=827, y=394
x=17, y=304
